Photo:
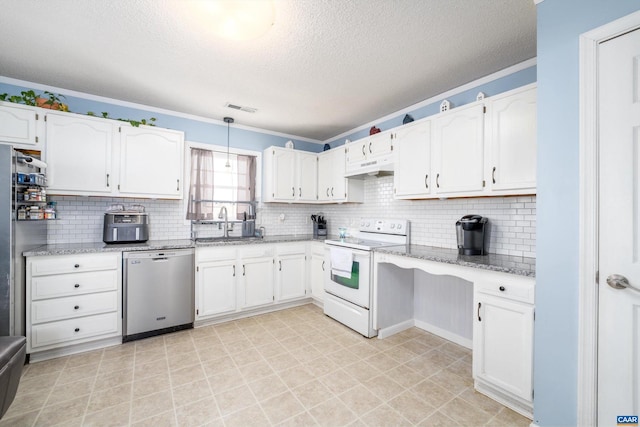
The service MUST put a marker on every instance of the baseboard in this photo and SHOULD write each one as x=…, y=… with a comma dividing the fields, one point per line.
x=443, y=333
x=392, y=330
x=74, y=349
x=518, y=405
x=252, y=312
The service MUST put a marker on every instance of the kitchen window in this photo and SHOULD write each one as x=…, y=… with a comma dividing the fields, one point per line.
x=210, y=179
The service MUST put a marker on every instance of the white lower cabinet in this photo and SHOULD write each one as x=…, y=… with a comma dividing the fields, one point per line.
x=503, y=341
x=257, y=281
x=73, y=300
x=216, y=282
x=291, y=271
x=317, y=267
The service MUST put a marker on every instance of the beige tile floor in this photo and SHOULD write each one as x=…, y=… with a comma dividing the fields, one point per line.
x=295, y=367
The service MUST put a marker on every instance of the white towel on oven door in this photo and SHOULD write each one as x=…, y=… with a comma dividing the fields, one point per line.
x=341, y=262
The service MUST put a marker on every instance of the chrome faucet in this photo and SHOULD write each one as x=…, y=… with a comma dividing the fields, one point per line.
x=226, y=220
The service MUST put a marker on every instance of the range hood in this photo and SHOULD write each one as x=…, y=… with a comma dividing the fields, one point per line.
x=378, y=167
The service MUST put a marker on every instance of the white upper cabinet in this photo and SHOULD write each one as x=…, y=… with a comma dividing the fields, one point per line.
x=307, y=176
x=151, y=162
x=367, y=152
x=413, y=152
x=512, y=143
x=18, y=125
x=80, y=155
x=289, y=175
x=458, y=151
x=333, y=187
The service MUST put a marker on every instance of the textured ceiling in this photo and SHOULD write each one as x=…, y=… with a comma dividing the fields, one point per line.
x=325, y=67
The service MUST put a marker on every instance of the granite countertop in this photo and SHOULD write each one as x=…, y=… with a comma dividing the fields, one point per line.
x=517, y=265
x=155, y=245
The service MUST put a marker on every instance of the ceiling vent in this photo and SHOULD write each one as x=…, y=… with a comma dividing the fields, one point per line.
x=241, y=108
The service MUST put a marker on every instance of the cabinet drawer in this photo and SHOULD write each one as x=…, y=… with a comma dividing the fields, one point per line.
x=516, y=288
x=215, y=254
x=76, y=306
x=73, y=284
x=80, y=329
x=74, y=263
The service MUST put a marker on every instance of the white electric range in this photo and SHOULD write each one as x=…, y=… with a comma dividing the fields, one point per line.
x=349, y=290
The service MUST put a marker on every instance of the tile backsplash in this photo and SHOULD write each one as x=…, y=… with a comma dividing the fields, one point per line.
x=512, y=219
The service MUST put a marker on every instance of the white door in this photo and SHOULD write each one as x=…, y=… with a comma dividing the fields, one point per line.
x=284, y=162
x=379, y=145
x=307, y=165
x=79, y=155
x=458, y=140
x=413, y=156
x=291, y=276
x=619, y=222
x=215, y=288
x=18, y=125
x=325, y=176
x=151, y=162
x=257, y=275
x=317, y=273
x=339, y=186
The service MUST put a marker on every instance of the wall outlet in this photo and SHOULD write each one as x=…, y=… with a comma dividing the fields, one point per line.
x=281, y=217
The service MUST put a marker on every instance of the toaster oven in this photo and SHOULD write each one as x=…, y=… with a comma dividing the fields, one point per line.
x=125, y=227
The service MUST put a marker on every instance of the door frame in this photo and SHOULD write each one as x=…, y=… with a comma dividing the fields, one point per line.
x=587, y=404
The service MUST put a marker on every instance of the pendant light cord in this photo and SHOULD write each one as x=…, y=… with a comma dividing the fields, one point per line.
x=228, y=121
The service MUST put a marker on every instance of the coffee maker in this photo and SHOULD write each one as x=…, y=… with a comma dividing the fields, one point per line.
x=472, y=231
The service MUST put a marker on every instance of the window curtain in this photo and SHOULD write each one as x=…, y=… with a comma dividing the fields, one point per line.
x=246, y=184
x=201, y=187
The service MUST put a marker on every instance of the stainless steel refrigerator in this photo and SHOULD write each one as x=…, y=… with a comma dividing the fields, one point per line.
x=16, y=236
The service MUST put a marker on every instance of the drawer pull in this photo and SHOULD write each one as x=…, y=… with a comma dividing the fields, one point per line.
x=322, y=265
x=77, y=329
x=76, y=307
x=502, y=288
x=77, y=285
x=76, y=266
x=479, y=318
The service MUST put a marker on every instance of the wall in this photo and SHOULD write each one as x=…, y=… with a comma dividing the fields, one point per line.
x=513, y=219
x=560, y=23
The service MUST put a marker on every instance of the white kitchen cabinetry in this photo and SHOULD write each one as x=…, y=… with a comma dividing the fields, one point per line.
x=291, y=272
x=290, y=175
x=19, y=126
x=413, y=178
x=255, y=265
x=512, y=141
x=458, y=151
x=216, y=282
x=333, y=187
x=151, y=162
x=317, y=265
x=377, y=148
x=503, y=341
x=73, y=303
x=80, y=155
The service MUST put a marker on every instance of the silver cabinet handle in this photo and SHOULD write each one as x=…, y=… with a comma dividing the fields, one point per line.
x=107, y=180
x=234, y=271
x=438, y=180
x=479, y=318
x=299, y=191
x=327, y=191
x=322, y=265
x=243, y=271
x=363, y=153
x=331, y=191
x=426, y=179
x=493, y=175
x=293, y=191
x=370, y=147
x=178, y=185
x=279, y=265
x=617, y=281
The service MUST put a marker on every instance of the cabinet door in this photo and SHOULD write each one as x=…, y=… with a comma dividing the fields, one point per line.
x=513, y=141
x=284, y=171
x=326, y=177
x=307, y=174
x=379, y=144
x=215, y=288
x=151, y=162
x=503, y=344
x=339, y=185
x=18, y=125
x=412, y=177
x=458, y=150
x=257, y=275
x=357, y=151
x=79, y=155
x=316, y=275
x=291, y=276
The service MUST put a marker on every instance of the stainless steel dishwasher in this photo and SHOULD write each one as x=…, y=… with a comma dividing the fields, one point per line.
x=158, y=292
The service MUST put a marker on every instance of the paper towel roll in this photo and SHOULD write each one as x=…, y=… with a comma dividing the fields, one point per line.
x=35, y=162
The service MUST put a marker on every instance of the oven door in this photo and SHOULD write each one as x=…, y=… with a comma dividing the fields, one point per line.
x=356, y=288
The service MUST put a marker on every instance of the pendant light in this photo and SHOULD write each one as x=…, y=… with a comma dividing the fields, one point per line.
x=228, y=121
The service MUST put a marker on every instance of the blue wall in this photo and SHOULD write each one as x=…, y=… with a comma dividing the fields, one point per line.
x=503, y=84
x=195, y=130
x=560, y=23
